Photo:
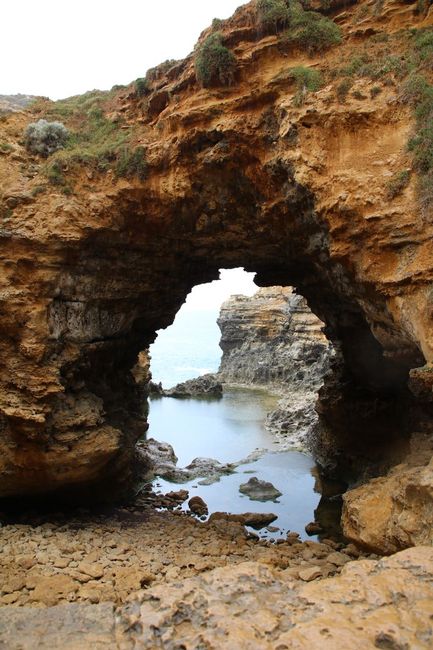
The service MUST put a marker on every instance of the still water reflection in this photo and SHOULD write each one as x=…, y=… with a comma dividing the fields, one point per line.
x=228, y=430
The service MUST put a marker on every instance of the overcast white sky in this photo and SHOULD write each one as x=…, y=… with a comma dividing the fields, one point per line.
x=207, y=297
x=63, y=48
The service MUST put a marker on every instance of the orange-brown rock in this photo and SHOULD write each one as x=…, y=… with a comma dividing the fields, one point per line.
x=373, y=604
x=393, y=512
x=236, y=176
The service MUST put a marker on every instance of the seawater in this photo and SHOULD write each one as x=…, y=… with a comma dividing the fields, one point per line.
x=187, y=349
x=228, y=430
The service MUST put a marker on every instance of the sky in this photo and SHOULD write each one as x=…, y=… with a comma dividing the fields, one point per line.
x=209, y=297
x=59, y=49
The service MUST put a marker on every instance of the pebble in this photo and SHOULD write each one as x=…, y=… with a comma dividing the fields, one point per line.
x=95, y=558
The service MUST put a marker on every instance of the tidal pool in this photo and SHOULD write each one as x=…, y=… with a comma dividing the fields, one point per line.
x=229, y=430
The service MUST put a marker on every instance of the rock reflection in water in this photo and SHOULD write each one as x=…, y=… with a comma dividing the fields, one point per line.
x=229, y=430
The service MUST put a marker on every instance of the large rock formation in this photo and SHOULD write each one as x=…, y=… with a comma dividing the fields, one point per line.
x=393, y=512
x=273, y=339
x=262, y=174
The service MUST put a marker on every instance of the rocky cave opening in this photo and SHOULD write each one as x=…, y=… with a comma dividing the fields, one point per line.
x=361, y=420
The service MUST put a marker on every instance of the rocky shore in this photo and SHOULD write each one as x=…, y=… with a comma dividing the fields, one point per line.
x=272, y=339
x=134, y=577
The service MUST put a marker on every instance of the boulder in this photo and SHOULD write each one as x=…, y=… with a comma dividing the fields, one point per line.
x=258, y=490
x=205, y=386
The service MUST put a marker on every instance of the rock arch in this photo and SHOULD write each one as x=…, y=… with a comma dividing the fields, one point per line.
x=236, y=177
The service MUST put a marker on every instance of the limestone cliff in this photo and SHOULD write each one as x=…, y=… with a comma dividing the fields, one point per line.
x=273, y=339
x=281, y=171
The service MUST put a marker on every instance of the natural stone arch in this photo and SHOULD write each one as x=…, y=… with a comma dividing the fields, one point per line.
x=236, y=177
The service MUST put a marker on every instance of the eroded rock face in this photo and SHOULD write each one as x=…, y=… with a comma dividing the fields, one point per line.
x=395, y=511
x=270, y=338
x=236, y=176
x=273, y=339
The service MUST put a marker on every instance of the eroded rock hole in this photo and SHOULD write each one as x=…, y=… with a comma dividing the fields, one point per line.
x=232, y=422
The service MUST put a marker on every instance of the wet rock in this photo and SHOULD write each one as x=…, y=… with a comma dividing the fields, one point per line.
x=178, y=497
x=258, y=490
x=204, y=386
x=256, y=520
x=198, y=506
x=313, y=528
x=156, y=457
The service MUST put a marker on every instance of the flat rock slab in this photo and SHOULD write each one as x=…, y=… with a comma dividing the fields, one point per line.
x=71, y=627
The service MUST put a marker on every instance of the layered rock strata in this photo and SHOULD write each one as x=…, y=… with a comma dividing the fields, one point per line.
x=93, y=264
x=373, y=604
x=273, y=339
x=395, y=511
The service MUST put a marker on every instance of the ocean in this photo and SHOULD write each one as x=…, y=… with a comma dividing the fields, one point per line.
x=187, y=349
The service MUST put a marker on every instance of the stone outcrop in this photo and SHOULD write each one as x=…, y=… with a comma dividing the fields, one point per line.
x=273, y=339
x=92, y=265
x=207, y=386
x=395, y=511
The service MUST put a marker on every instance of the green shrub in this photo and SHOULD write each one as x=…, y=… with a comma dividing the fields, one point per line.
x=214, y=63
x=358, y=95
x=141, y=87
x=5, y=147
x=311, y=31
x=421, y=145
x=398, y=183
x=414, y=89
x=132, y=162
x=54, y=173
x=98, y=142
x=362, y=66
x=375, y=91
x=272, y=15
x=153, y=74
x=306, y=80
x=424, y=48
x=418, y=93
x=39, y=189
x=44, y=138
x=343, y=89
x=216, y=24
